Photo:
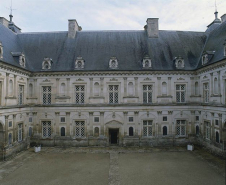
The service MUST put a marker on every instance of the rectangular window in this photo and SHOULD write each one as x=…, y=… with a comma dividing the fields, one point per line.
x=216, y=122
x=164, y=118
x=147, y=93
x=96, y=119
x=20, y=133
x=196, y=118
x=181, y=128
x=79, y=94
x=21, y=95
x=180, y=93
x=147, y=128
x=30, y=119
x=79, y=128
x=46, y=129
x=46, y=95
x=206, y=92
x=207, y=124
x=113, y=93
x=130, y=119
x=10, y=123
x=62, y=119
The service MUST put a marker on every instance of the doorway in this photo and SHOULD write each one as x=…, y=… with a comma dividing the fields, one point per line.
x=113, y=136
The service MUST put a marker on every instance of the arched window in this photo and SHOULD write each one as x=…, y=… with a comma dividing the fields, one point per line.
x=96, y=131
x=196, y=88
x=197, y=130
x=130, y=89
x=96, y=89
x=79, y=64
x=10, y=138
x=62, y=131
x=46, y=65
x=215, y=86
x=130, y=131
x=30, y=131
x=217, y=137
x=179, y=64
x=10, y=87
x=30, y=90
x=164, y=88
x=146, y=64
x=62, y=88
x=164, y=130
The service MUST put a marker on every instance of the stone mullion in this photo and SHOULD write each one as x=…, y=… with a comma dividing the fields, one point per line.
x=68, y=124
x=125, y=86
x=169, y=86
x=136, y=86
x=90, y=128
x=35, y=87
x=14, y=128
x=57, y=128
x=159, y=86
x=102, y=123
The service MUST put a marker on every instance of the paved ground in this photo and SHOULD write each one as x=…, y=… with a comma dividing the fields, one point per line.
x=113, y=166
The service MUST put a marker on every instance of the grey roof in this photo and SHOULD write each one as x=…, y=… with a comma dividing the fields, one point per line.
x=97, y=47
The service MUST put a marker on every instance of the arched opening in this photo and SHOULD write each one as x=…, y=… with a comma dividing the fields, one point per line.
x=130, y=88
x=79, y=64
x=10, y=87
x=164, y=130
x=96, y=131
x=96, y=89
x=197, y=130
x=10, y=138
x=164, y=88
x=217, y=137
x=62, y=88
x=46, y=65
x=130, y=131
x=146, y=64
x=179, y=64
x=215, y=86
x=62, y=131
x=30, y=90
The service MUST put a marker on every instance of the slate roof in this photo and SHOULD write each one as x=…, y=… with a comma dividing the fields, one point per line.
x=97, y=47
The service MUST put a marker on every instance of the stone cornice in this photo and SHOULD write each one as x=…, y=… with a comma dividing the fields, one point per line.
x=15, y=69
x=211, y=67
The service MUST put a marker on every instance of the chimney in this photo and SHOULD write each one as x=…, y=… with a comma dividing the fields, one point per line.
x=73, y=27
x=152, y=27
x=223, y=18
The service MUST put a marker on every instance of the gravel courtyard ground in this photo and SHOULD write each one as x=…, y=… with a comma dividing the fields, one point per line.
x=113, y=166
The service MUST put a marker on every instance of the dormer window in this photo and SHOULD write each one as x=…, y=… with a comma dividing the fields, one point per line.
x=113, y=63
x=146, y=62
x=179, y=62
x=79, y=63
x=205, y=59
x=47, y=63
x=1, y=51
x=22, y=61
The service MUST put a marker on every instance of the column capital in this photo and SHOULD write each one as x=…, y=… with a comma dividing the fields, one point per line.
x=124, y=78
x=101, y=113
x=218, y=72
x=34, y=113
x=170, y=112
x=57, y=79
x=158, y=78
x=35, y=80
x=14, y=115
x=192, y=78
x=101, y=78
x=192, y=112
x=220, y=115
x=159, y=112
x=68, y=113
x=136, y=112
x=6, y=117
x=135, y=78
x=91, y=79
x=91, y=113
x=27, y=113
x=7, y=74
x=125, y=113
x=211, y=74
x=169, y=78
x=68, y=79
x=57, y=113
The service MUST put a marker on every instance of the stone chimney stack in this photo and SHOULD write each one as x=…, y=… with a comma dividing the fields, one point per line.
x=152, y=27
x=223, y=18
x=73, y=27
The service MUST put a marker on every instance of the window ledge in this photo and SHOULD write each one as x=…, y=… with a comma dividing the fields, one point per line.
x=32, y=98
x=165, y=96
x=96, y=97
x=193, y=96
x=130, y=97
x=216, y=95
x=12, y=97
x=63, y=97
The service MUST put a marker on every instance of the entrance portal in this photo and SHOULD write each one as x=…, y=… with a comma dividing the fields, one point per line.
x=113, y=136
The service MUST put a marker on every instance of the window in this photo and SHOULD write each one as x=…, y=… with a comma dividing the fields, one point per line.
x=216, y=122
x=96, y=131
x=180, y=128
x=20, y=134
x=96, y=119
x=196, y=118
x=147, y=93
x=197, y=130
x=62, y=88
x=215, y=86
x=146, y=62
x=204, y=59
x=79, y=94
x=79, y=63
x=164, y=88
x=22, y=61
x=30, y=119
x=196, y=88
x=79, y=128
x=10, y=124
x=130, y=89
x=30, y=131
x=62, y=131
x=164, y=130
x=10, y=138
x=96, y=89
x=113, y=63
x=46, y=95
x=21, y=95
x=147, y=128
x=10, y=87
x=47, y=63
x=180, y=93
x=130, y=131
x=30, y=90
x=113, y=93
x=179, y=62
x=130, y=119
x=62, y=119
x=46, y=129
x=164, y=118
x=206, y=92
x=217, y=137
x=207, y=124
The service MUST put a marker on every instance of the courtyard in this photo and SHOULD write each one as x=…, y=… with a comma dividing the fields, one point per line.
x=113, y=165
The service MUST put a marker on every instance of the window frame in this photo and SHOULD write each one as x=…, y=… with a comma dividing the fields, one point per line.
x=20, y=132
x=47, y=94
x=80, y=134
x=79, y=93
x=114, y=92
x=49, y=135
x=147, y=91
x=95, y=120
x=147, y=135
x=20, y=94
x=180, y=92
x=181, y=125
x=206, y=92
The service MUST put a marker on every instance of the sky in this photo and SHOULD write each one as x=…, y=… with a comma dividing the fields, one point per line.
x=53, y=15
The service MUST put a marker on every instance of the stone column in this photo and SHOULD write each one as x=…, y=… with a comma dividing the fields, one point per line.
x=159, y=86
x=14, y=128
x=68, y=87
x=170, y=132
x=136, y=113
x=6, y=129
x=192, y=129
x=219, y=82
x=125, y=123
x=220, y=126
x=57, y=87
x=15, y=87
x=102, y=123
x=211, y=84
x=91, y=87
x=101, y=86
x=125, y=86
x=7, y=84
x=35, y=123
x=169, y=86
x=192, y=85
x=90, y=128
x=136, y=86
x=35, y=88
x=57, y=128
x=68, y=124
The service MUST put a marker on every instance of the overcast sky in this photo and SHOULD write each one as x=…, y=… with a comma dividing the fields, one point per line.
x=53, y=15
